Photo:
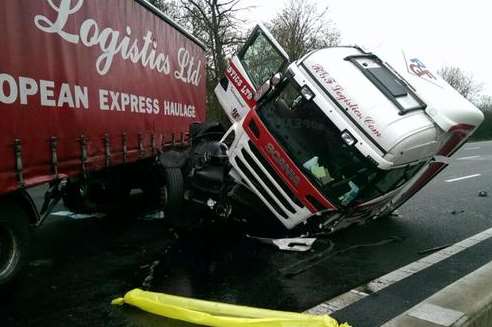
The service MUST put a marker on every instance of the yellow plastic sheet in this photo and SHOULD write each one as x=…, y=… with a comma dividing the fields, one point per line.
x=220, y=314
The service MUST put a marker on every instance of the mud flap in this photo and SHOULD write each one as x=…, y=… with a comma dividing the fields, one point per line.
x=219, y=314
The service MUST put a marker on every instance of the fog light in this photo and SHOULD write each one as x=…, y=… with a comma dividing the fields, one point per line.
x=348, y=138
x=306, y=92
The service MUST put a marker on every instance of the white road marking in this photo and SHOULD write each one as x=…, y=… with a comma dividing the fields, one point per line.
x=436, y=314
x=462, y=178
x=472, y=148
x=374, y=286
x=468, y=158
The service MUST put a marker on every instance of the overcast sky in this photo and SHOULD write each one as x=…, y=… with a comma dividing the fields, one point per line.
x=442, y=32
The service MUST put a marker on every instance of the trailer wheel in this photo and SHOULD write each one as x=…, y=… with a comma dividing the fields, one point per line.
x=172, y=192
x=14, y=241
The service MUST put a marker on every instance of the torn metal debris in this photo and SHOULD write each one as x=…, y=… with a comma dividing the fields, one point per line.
x=298, y=244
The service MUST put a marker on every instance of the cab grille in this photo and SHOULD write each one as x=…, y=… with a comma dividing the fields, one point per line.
x=249, y=164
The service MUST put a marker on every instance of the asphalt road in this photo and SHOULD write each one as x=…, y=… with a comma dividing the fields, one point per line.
x=78, y=266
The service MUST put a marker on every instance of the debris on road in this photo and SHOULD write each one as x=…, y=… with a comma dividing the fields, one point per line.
x=455, y=212
x=395, y=214
x=147, y=283
x=483, y=194
x=219, y=314
x=41, y=263
x=298, y=244
x=314, y=260
x=434, y=249
x=156, y=215
x=73, y=215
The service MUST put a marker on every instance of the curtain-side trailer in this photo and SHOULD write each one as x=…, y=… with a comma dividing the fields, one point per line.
x=90, y=93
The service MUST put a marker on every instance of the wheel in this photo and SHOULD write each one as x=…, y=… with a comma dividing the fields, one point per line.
x=172, y=192
x=14, y=241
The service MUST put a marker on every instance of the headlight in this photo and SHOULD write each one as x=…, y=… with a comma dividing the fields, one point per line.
x=306, y=92
x=348, y=138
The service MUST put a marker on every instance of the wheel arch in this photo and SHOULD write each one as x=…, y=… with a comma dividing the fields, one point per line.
x=25, y=202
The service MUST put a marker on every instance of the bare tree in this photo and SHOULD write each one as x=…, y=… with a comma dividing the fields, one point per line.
x=171, y=8
x=463, y=82
x=163, y=5
x=302, y=26
x=484, y=132
x=485, y=103
x=216, y=24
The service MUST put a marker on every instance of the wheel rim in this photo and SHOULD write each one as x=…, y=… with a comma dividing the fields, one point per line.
x=8, y=253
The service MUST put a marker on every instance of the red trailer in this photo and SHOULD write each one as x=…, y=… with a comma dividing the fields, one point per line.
x=90, y=93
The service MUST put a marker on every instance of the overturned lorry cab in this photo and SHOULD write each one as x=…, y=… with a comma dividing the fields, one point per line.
x=337, y=137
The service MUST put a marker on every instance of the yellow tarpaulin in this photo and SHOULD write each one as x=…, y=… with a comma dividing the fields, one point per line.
x=219, y=314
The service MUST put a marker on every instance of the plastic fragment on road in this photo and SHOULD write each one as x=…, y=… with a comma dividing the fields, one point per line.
x=455, y=212
x=73, y=215
x=299, y=244
x=208, y=313
x=156, y=215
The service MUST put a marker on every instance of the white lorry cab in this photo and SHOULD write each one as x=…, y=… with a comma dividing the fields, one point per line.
x=340, y=135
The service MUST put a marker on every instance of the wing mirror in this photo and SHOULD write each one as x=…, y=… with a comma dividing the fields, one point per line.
x=267, y=86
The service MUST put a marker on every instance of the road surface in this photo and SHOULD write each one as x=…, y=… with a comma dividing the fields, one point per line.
x=79, y=265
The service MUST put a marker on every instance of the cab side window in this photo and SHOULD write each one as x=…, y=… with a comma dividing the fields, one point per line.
x=261, y=59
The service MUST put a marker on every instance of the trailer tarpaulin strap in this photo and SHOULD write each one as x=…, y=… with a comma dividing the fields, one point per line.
x=219, y=314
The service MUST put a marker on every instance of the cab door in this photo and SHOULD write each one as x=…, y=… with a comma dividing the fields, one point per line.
x=254, y=64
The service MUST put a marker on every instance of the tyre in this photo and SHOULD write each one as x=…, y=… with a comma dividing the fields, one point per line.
x=14, y=241
x=172, y=192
